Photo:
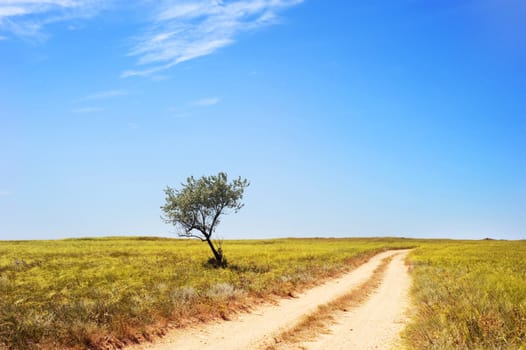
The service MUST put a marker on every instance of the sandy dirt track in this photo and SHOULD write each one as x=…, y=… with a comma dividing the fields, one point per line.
x=377, y=323
x=257, y=329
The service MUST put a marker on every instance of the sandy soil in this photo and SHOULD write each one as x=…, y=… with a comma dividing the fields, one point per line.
x=377, y=323
x=257, y=329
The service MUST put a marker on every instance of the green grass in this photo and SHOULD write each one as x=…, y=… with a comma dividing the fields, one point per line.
x=469, y=295
x=91, y=293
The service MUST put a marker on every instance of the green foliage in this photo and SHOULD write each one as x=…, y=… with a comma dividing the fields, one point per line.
x=85, y=293
x=469, y=295
x=197, y=207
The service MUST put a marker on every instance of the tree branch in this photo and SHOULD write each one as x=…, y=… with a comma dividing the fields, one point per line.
x=190, y=235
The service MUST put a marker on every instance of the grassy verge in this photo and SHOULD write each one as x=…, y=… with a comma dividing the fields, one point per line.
x=317, y=322
x=103, y=293
x=469, y=295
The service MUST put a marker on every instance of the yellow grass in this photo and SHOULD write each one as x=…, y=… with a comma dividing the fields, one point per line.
x=469, y=295
x=93, y=293
x=103, y=293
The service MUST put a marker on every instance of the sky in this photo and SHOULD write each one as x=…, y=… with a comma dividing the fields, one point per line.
x=349, y=118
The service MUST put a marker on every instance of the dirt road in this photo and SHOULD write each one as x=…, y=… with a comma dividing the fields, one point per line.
x=375, y=324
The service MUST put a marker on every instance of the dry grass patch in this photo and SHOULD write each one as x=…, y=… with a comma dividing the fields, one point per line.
x=106, y=292
x=468, y=295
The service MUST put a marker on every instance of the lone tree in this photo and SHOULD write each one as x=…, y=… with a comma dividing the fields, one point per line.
x=197, y=207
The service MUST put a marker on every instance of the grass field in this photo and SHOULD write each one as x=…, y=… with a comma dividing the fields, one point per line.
x=92, y=293
x=469, y=295
x=100, y=293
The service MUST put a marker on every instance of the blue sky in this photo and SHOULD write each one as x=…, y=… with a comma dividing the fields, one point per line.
x=350, y=118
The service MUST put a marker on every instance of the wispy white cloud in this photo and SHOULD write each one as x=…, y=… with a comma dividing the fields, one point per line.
x=184, y=30
x=189, y=108
x=28, y=17
x=6, y=11
x=4, y=193
x=208, y=101
x=180, y=30
x=105, y=95
x=88, y=110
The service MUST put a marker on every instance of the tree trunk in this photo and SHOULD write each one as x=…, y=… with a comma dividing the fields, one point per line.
x=217, y=255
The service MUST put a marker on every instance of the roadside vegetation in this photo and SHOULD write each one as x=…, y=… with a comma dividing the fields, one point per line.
x=469, y=295
x=106, y=292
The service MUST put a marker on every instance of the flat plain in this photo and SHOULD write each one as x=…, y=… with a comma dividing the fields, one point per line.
x=107, y=293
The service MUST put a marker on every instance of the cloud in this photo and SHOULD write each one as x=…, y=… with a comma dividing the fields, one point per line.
x=185, y=30
x=105, y=95
x=188, y=109
x=208, y=101
x=88, y=110
x=179, y=30
x=28, y=17
x=5, y=193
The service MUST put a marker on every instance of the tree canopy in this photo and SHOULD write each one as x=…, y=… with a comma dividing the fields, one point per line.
x=196, y=208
